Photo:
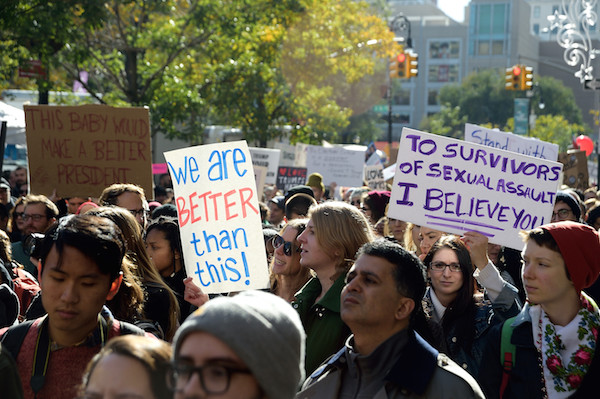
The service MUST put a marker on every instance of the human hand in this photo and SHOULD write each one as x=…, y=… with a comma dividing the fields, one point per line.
x=193, y=294
x=477, y=245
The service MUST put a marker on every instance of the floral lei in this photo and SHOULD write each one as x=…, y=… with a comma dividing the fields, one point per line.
x=568, y=377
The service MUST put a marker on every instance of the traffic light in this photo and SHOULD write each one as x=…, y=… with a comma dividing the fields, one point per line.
x=402, y=62
x=513, y=78
x=412, y=64
x=526, y=78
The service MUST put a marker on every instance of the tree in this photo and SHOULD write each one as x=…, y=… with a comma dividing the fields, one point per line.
x=197, y=62
x=481, y=99
x=553, y=129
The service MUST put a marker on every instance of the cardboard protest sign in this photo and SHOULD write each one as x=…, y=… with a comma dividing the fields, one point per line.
x=268, y=158
x=336, y=165
x=80, y=150
x=289, y=177
x=300, y=158
x=219, y=218
x=260, y=175
x=374, y=177
x=511, y=142
x=456, y=186
x=287, y=155
x=575, y=169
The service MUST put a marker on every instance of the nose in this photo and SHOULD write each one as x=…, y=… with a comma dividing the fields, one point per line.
x=192, y=389
x=446, y=272
x=526, y=271
x=300, y=238
x=555, y=218
x=279, y=251
x=69, y=294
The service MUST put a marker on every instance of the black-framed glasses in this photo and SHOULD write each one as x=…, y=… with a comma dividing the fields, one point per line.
x=214, y=378
x=35, y=217
x=561, y=213
x=288, y=247
x=441, y=266
x=19, y=214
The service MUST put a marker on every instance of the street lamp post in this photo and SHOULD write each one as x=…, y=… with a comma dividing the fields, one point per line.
x=400, y=25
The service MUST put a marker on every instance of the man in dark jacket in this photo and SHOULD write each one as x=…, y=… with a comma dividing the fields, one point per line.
x=385, y=357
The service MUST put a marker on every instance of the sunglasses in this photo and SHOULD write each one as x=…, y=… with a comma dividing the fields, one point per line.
x=288, y=247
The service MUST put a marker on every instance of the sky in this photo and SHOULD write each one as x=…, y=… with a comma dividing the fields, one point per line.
x=454, y=8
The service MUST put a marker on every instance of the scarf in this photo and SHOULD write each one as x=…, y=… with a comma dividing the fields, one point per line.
x=566, y=352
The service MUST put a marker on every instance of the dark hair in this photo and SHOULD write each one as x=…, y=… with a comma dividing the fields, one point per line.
x=461, y=312
x=111, y=193
x=164, y=210
x=51, y=208
x=408, y=271
x=170, y=227
x=98, y=238
x=375, y=204
x=298, y=204
x=153, y=354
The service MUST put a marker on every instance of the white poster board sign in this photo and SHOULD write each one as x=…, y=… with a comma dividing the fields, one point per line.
x=287, y=155
x=260, y=175
x=219, y=217
x=511, y=142
x=336, y=164
x=300, y=159
x=456, y=186
x=268, y=158
x=374, y=177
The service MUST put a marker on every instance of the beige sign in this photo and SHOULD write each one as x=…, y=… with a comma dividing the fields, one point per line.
x=80, y=150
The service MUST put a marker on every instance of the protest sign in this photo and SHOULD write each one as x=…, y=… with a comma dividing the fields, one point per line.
x=456, y=186
x=300, y=159
x=336, y=165
x=287, y=155
x=260, y=175
x=511, y=142
x=80, y=150
x=268, y=158
x=219, y=218
x=374, y=177
x=289, y=177
x=575, y=169
x=389, y=172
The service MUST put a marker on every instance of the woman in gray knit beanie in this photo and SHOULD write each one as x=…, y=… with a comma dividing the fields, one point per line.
x=247, y=346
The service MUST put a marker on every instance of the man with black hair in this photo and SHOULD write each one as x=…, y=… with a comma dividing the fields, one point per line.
x=384, y=357
x=80, y=262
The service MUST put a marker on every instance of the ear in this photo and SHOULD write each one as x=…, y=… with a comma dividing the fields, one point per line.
x=405, y=309
x=114, y=287
x=39, y=271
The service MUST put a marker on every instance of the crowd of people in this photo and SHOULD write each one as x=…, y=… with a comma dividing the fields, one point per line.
x=95, y=302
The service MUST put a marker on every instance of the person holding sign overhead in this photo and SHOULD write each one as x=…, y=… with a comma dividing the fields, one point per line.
x=333, y=235
x=465, y=316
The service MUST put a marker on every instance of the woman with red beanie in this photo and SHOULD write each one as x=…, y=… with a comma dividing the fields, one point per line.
x=550, y=349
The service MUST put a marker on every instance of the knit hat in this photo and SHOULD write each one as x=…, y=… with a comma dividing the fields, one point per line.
x=579, y=245
x=263, y=330
x=570, y=200
x=315, y=180
x=299, y=190
x=379, y=199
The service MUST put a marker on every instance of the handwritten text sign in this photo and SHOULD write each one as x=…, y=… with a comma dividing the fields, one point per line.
x=81, y=150
x=511, y=142
x=219, y=218
x=456, y=186
x=289, y=177
x=336, y=164
x=374, y=177
x=268, y=158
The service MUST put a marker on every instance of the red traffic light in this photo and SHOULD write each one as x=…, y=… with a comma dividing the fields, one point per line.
x=401, y=57
x=516, y=71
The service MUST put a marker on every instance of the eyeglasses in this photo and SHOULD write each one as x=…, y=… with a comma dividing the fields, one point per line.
x=214, y=378
x=365, y=209
x=36, y=218
x=288, y=247
x=441, y=266
x=561, y=213
x=19, y=214
x=140, y=212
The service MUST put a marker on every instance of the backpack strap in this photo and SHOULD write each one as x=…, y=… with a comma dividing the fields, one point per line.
x=13, y=337
x=507, y=353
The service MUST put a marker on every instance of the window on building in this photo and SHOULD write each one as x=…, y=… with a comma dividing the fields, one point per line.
x=536, y=29
x=433, y=97
x=536, y=11
x=497, y=47
x=402, y=97
x=489, y=29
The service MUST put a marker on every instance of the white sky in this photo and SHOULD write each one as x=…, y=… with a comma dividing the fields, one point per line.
x=453, y=8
